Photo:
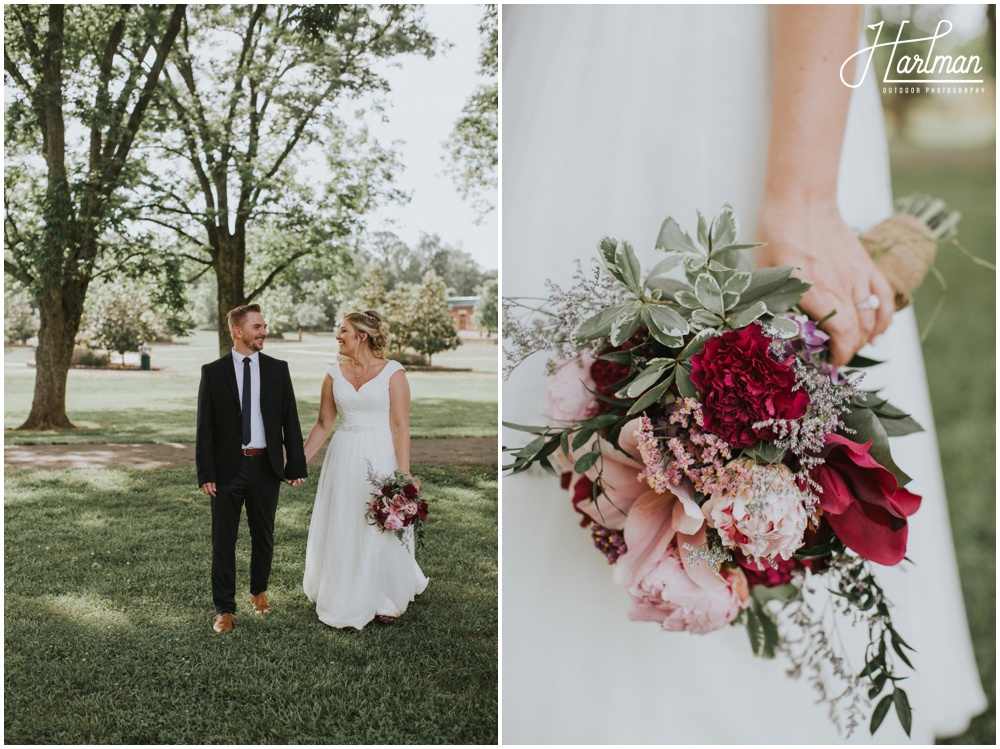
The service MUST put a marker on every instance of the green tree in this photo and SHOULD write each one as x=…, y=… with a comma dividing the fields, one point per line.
x=371, y=294
x=20, y=317
x=418, y=317
x=473, y=144
x=118, y=318
x=79, y=82
x=250, y=103
x=487, y=311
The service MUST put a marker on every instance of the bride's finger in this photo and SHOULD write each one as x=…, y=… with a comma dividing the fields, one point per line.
x=842, y=327
x=887, y=302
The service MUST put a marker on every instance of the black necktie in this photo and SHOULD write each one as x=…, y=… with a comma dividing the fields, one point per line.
x=246, y=401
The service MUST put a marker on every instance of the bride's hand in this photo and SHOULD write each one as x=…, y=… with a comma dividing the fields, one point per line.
x=815, y=239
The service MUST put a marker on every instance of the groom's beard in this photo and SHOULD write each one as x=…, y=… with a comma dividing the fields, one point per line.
x=256, y=344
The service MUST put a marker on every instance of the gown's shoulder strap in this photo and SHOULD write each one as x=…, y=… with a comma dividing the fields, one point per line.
x=334, y=370
x=392, y=366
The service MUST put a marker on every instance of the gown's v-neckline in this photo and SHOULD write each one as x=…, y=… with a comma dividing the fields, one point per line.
x=358, y=389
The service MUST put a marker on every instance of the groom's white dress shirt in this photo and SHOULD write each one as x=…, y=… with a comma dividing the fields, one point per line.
x=257, y=439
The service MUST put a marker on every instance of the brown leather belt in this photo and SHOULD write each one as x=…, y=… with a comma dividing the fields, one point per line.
x=251, y=452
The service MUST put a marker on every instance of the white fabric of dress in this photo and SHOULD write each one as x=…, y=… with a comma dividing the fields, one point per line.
x=615, y=117
x=355, y=571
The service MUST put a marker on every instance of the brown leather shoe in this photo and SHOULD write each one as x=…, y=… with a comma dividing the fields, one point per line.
x=223, y=623
x=260, y=604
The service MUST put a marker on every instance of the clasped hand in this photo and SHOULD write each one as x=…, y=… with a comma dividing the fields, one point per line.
x=827, y=253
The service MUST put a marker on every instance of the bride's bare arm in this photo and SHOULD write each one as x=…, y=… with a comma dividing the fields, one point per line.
x=799, y=217
x=399, y=419
x=324, y=421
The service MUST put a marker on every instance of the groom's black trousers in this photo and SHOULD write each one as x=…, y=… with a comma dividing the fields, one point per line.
x=256, y=486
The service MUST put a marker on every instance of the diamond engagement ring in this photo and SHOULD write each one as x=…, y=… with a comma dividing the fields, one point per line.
x=872, y=302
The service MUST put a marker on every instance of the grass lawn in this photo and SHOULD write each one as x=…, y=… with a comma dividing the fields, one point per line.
x=108, y=610
x=127, y=406
x=960, y=354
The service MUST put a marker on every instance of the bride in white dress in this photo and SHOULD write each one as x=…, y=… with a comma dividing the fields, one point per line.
x=355, y=572
x=615, y=117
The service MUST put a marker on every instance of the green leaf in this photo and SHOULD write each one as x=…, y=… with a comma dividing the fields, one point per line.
x=629, y=264
x=625, y=324
x=618, y=357
x=902, y=709
x=709, y=294
x=608, y=249
x=586, y=462
x=775, y=287
x=598, y=326
x=896, y=645
x=667, y=287
x=705, y=319
x=667, y=320
x=898, y=427
x=877, y=686
x=863, y=361
x=686, y=298
x=755, y=630
x=532, y=448
x=601, y=420
x=737, y=283
x=696, y=344
x=672, y=237
x=724, y=228
x=702, y=230
x=524, y=428
x=684, y=385
x=786, y=328
x=651, y=396
x=671, y=341
x=646, y=379
x=564, y=441
x=665, y=266
x=765, y=452
x=581, y=438
x=879, y=713
x=747, y=316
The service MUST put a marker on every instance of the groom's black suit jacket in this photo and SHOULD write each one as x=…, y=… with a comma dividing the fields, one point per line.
x=220, y=424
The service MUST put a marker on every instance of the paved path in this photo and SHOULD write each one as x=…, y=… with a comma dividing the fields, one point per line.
x=449, y=451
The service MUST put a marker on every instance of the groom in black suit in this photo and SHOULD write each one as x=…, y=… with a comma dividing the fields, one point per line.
x=246, y=414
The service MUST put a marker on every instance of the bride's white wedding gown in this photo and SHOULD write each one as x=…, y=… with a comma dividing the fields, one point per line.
x=615, y=117
x=354, y=571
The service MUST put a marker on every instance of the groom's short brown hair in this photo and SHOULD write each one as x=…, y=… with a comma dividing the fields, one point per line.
x=237, y=315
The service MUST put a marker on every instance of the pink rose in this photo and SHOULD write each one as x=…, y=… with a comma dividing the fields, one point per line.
x=668, y=595
x=566, y=397
x=863, y=502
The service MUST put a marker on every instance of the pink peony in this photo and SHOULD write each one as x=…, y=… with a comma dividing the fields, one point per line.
x=668, y=595
x=393, y=522
x=761, y=511
x=567, y=398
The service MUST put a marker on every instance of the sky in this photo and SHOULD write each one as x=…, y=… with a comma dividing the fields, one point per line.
x=426, y=99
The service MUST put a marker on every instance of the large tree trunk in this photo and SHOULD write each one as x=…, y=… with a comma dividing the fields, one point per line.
x=60, y=320
x=229, y=273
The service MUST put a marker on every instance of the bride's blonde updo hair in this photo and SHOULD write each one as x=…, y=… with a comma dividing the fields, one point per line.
x=370, y=321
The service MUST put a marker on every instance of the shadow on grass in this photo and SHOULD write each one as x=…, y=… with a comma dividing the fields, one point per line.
x=108, y=612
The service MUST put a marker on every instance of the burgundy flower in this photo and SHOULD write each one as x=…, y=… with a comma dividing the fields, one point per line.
x=387, y=491
x=607, y=375
x=583, y=492
x=411, y=491
x=740, y=384
x=863, y=502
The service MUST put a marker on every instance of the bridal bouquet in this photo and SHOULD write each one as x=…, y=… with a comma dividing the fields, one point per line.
x=725, y=469
x=395, y=505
